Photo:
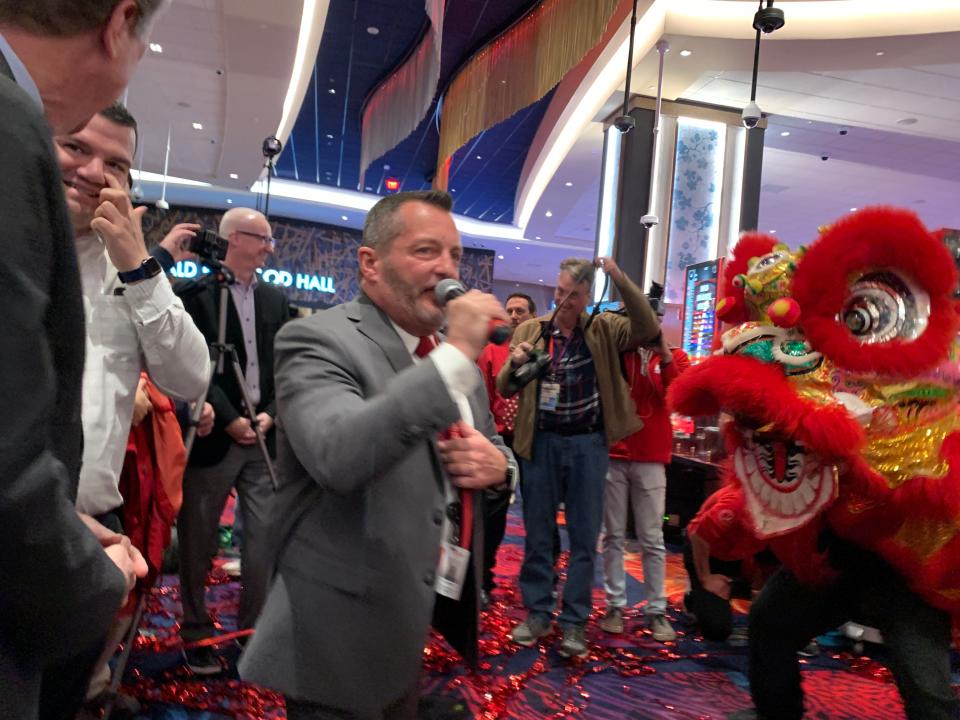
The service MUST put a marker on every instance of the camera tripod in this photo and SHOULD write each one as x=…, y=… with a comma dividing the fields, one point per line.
x=224, y=278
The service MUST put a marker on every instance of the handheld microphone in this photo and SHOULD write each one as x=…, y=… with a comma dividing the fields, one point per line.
x=448, y=289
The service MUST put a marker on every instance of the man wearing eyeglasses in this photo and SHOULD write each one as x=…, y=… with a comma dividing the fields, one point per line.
x=229, y=456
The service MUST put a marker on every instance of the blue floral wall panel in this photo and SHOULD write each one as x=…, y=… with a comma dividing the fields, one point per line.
x=695, y=205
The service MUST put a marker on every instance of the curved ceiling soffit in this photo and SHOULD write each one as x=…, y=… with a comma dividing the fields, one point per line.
x=549, y=40
x=396, y=107
x=575, y=104
x=312, y=24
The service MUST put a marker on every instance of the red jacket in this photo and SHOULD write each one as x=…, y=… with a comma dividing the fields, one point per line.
x=654, y=442
x=492, y=358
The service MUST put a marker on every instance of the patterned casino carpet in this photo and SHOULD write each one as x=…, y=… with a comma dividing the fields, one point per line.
x=627, y=677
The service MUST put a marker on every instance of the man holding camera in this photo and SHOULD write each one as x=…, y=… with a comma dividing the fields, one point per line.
x=567, y=419
x=230, y=455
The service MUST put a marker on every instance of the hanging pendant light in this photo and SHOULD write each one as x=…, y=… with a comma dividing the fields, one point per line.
x=162, y=203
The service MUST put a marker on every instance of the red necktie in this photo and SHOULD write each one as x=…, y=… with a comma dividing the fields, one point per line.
x=426, y=344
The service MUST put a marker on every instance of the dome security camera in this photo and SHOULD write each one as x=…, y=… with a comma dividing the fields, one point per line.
x=824, y=157
x=648, y=221
x=844, y=131
x=751, y=115
x=625, y=123
x=162, y=204
x=768, y=19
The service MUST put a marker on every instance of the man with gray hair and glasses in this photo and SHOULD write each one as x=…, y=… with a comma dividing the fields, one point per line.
x=567, y=418
x=62, y=578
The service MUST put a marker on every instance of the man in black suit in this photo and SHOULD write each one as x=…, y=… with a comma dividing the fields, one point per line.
x=230, y=456
x=60, y=584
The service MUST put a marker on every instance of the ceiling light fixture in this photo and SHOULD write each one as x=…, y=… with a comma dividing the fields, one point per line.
x=479, y=157
x=234, y=176
x=686, y=53
x=853, y=209
x=198, y=126
x=549, y=213
x=332, y=91
x=329, y=136
x=880, y=53
x=568, y=183
x=499, y=257
x=785, y=133
x=536, y=238
x=516, y=247
x=373, y=30
x=156, y=47
x=229, y=201
x=344, y=218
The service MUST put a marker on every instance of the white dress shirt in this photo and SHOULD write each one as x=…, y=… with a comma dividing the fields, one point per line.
x=145, y=327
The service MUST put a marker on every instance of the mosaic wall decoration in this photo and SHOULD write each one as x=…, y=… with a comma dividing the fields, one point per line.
x=695, y=208
x=314, y=264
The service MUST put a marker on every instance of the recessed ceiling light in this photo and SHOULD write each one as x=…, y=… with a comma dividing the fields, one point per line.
x=156, y=47
x=880, y=53
x=549, y=213
x=516, y=247
x=344, y=217
x=907, y=121
x=332, y=91
x=229, y=201
x=368, y=189
x=373, y=30
x=198, y=126
x=499, y=257
x=386, y=167
x=234, y=176
x=540, y=280
x=686, y=53
x=479, y=157
x=453, y=190
x=536, y=237
x=568, y=183
x=773, y=232
x=853, y=209
x=503, y=82
x=785, y=133
x=329, y=136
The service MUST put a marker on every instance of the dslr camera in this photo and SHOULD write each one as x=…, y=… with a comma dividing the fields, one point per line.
x=207, y=245
x=534, y=368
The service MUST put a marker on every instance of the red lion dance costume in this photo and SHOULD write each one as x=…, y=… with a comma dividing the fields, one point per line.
x=837, y=374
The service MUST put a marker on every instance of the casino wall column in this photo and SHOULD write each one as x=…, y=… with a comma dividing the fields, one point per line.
x=700, y=175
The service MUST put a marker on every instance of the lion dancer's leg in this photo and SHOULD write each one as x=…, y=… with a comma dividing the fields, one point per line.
x=784, y=617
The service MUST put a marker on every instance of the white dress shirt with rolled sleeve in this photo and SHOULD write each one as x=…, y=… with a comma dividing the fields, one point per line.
x=129, y=328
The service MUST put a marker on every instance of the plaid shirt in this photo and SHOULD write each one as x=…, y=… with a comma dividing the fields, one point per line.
x=578, y=405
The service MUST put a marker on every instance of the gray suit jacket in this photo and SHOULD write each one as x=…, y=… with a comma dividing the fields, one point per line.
x=59, y=591
x=360, y=509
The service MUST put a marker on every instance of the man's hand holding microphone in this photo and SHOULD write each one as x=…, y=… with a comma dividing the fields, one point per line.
x=469, y=457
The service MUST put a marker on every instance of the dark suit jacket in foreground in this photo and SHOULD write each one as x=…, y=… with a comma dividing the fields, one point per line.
x=360, y=509
x=272, y=310
x=59, y=591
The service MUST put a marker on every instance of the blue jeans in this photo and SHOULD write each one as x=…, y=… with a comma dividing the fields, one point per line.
x=571, y=469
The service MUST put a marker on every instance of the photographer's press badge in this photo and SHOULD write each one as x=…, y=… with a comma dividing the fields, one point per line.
x=549, y=396
x=451, y=570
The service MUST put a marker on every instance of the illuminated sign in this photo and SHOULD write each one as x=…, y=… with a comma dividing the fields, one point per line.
x=699, y=319
x=186, y=269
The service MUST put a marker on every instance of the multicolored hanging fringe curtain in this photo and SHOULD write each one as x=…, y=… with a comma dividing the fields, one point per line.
x=517, y=69
x=402, y=101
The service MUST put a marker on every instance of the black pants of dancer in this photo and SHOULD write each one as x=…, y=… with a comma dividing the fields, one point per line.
x=714, y=615
x=786, y=614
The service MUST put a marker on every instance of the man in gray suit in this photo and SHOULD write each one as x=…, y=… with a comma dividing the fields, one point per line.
x=368, y=493
x=61, y=585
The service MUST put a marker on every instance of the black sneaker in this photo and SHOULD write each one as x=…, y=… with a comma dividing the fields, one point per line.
x=202, y=661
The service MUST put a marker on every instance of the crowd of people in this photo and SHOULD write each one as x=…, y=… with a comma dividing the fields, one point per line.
x=400, y=433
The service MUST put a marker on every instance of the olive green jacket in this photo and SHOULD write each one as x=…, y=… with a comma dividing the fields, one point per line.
x=608, y=335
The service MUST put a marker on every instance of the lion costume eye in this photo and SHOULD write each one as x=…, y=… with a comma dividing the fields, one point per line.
x=884, y=306
x=766, y=262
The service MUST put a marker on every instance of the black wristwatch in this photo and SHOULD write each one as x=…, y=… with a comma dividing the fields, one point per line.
x=148, y=269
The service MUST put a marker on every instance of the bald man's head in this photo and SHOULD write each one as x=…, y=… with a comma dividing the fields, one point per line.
x=249, y=240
